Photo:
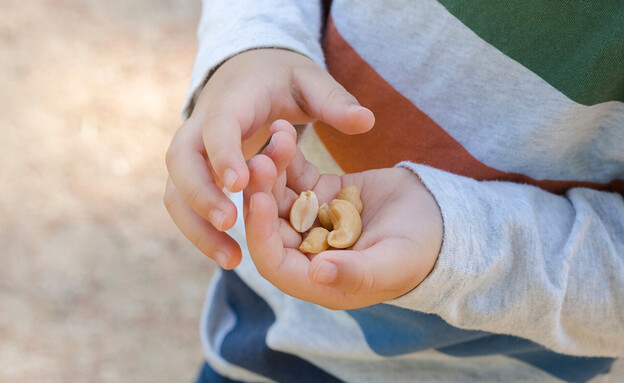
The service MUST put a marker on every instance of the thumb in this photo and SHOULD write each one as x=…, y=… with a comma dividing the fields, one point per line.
x=325, y=99
x=346, y=270
x=383, y=271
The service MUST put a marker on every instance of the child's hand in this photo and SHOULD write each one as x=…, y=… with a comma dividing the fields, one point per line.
x=242, y=95
x=398, y=248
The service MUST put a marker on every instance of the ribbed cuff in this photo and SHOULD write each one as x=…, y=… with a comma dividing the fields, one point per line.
x=453, y=267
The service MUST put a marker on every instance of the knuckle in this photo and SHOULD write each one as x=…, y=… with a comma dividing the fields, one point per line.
x=201, y=241
x=335, y=93
x=196, y=199
x=280, y=261
x=332, y=96
x=220, y=117
x=210, y=120
x=276, y=263
x=176, y=142
x=309, y=170
x=269, y=267
x=306, y=175
x=366, y=282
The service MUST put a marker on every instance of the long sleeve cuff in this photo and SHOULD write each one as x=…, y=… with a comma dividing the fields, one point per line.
x=518, y=260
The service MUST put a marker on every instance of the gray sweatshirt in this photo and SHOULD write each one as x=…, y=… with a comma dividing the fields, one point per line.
x=513, y=118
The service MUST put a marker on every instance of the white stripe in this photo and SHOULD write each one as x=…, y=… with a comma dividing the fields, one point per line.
x=433, y=366
x=502, y=113
x=216, y=321
x=335, y=342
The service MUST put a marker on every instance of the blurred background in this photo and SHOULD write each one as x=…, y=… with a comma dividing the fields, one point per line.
x=96, y=282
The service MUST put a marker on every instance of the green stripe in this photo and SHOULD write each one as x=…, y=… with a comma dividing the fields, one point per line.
x=575, y=46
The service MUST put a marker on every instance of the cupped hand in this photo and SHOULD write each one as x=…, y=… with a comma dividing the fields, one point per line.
x=398, y=248
x=206, y=154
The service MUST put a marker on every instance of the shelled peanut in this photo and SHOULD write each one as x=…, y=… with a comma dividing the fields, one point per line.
x=340, y=220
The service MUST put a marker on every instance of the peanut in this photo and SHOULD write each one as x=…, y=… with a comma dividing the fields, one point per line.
x=304, y=211
x=316, y=241
x=352, y=194
x=341, y=221
x=323, y=216
x=347, y=224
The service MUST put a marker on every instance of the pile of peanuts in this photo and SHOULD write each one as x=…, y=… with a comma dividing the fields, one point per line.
x=341, y=224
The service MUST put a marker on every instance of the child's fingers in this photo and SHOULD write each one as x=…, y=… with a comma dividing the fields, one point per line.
x=328, y=101
x=284, y=126
x=216, y=245
x=292, y=272
x=262, y=177
x=281, y=149
x=262, y=229
x=222, y=139
x=193, y=179
x=285, y=268
x=230, y=113
x=290, y=237
x=301, y=174
x=284, y=196
x=283, y=146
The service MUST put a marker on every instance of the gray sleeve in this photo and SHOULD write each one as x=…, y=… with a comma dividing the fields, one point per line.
x=228, y=27
x=521, y=261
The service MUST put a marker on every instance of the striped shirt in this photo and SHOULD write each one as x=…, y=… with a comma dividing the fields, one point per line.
x=512, y=115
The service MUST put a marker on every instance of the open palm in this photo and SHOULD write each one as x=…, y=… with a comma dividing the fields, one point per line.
x=400, y=241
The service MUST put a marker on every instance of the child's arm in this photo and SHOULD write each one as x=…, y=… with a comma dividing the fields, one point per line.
x=514, y=260
x=519, y=260
x=244, y=92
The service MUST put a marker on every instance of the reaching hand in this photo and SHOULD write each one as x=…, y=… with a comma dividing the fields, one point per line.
x=245, y=93
x=398, y=248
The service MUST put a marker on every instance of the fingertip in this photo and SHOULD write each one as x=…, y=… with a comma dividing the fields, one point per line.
x=350, y=118
x=221, y=258
x=217, y=218
x=281, y=149
x=361, y=119
x=223, y=217
x=229, y=178
x=235, y=178
x=227, y=259
x=261, y=168
x=283, y=126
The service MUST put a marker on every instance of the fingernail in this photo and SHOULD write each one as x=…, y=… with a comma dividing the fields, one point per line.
x=326, y=273
x=270, y=147
x=252, y=204
x=357, y=107
x=216, y=218
x=229, y=178
x=221, y=258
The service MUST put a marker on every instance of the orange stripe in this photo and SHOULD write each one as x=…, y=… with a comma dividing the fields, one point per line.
x=404, y=132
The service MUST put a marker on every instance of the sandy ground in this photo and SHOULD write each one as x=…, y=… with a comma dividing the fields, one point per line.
x=96, y=283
